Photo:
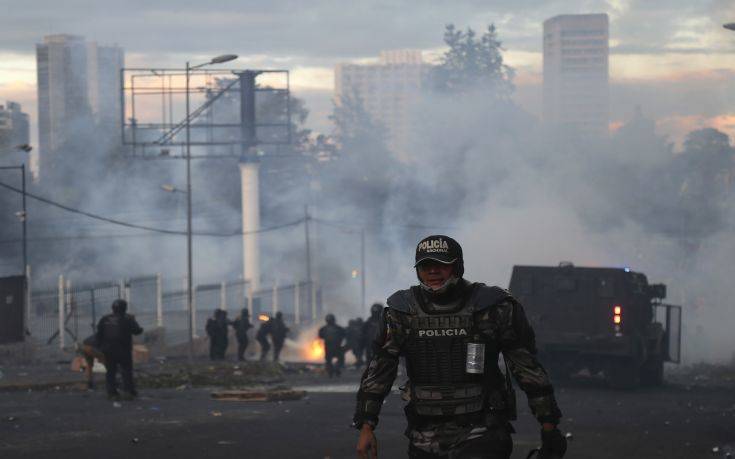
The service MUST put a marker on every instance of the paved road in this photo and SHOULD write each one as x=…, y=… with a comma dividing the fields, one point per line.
x=669, y=423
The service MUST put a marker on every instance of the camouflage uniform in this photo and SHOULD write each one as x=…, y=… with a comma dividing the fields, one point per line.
x=438, y=427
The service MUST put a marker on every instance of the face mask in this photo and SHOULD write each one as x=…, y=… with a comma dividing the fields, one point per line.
x=445, y=286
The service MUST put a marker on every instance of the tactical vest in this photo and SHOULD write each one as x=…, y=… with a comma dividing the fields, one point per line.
x=436, y=352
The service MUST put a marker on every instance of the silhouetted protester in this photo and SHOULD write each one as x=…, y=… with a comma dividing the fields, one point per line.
x=89, y=351
x=262, y=338
x=370, y=330
x=115, y=339
x=217, y=331
x=333, y=336
x=242, y=325
x=278, y=332
x=355, y=339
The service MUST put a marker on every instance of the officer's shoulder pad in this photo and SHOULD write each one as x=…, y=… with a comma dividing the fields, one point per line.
x=400, y=301
x=486, y=296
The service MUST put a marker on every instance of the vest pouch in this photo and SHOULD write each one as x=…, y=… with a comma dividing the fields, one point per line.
x=446, y=400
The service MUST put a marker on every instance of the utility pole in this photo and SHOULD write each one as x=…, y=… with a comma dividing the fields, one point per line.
x=189, y=255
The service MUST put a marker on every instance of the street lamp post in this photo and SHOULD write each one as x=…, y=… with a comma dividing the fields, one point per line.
x=189, y=258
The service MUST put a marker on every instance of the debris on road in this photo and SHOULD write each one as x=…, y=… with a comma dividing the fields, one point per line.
x=258, y=395
x=182, y=376
x=704, y=375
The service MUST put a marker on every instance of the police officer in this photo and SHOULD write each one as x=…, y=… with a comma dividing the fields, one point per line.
x=242, y=325
x=333, y=336
x=451, y=332
x=278, y=332
x=356, y=340
x=216, y=329
x=115, y=339
x=371, y=328
x=262, y=338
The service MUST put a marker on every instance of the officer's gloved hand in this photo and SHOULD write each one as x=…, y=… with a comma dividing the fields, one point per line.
x=553, y=444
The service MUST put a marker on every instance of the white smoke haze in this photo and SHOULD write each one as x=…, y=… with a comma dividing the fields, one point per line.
x=517, y=196
x=481, y=171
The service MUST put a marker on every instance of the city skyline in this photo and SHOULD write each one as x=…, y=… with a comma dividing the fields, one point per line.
x=664, y=70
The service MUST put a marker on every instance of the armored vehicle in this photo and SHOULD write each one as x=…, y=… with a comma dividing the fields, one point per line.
x=608, y=320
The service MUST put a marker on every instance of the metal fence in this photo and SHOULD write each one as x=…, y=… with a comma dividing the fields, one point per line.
x=69, y=313
x=75, y=309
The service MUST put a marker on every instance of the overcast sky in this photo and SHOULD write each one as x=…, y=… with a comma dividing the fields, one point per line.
x=670, y=56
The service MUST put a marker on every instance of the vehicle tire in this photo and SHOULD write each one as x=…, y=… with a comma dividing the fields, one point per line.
x=652, y=372
x=623, y=374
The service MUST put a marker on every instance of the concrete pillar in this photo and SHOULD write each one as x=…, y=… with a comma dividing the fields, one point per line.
x=28, y=297
x=296, y=303
x=250, y=222
x=223, y=296
x=194, y=313
x=68, y=296
x=312, y=295
x=275, y=298
x=250, y=298
x=159, y=300
x=61, y=304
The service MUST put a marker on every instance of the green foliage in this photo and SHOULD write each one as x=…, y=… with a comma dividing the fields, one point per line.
x=473, y=63
x=354, y=125
x=708, y=140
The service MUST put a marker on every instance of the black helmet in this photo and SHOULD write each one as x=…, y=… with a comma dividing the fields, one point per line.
x=376, y=309
x=443, y=249
x=119, y=306
x=279, y=315
x=245, y=312
x=330, y=319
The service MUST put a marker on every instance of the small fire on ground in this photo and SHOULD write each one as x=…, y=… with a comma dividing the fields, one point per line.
x=314, y=351
x=263, y=318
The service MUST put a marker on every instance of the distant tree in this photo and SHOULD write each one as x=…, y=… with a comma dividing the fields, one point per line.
x=354, y=125
x=473, y=63
x=708, y=141
x=704, y=175
x=360, y=175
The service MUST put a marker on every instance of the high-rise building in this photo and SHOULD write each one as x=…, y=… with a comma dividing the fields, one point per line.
x=576, y=70
x=103, y=69
x=386, y=90
x=78, y=84
x=14, y=127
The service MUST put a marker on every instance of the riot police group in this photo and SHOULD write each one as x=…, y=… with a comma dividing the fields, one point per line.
x=354, y=338
x=451, y=333
x=272, y=331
